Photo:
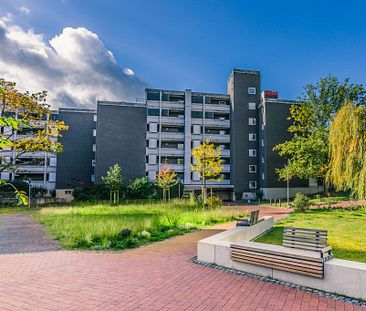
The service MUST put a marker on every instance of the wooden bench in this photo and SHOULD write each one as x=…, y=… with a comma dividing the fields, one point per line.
x=308, y=239
x=304, y=252
x=252, y=220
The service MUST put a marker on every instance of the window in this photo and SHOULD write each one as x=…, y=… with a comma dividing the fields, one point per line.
x=153, y=127
x=252, y=184
x=252, y=168
x=262, y=126
x=153, y=112
x=94, y=132
x=262, y=159
x=263, y=176
x=94, y=147
x=153, y=143
x=196, y=129
x=180, y=161
x=262, y=142
x=252, y=106
x=93, y=162
x=95, y=118
x=252, y=90
x=252, y=137
x=197, y=114
x=252, y=121
x=93, y=178
x=196, y=143
x=153, y=96
x=165, y=112
x=197, y=99
x=152, y=159
x=252, y=152
x=68, y=191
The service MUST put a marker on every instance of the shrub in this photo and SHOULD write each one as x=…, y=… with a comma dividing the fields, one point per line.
x=300, y=202
x=213, y=202
x=141, y=188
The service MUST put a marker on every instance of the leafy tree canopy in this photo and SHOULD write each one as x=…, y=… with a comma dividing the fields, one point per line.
x=347, y=144
x=307, y=153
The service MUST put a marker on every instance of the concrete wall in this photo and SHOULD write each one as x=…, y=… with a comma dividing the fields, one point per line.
x=238, y=84
x=121, y=138
x=74, y=164
x=341, y=276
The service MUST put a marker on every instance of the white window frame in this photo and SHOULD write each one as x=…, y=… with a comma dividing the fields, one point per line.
x=252, y=166
x=252, y=153
x=95, y=118
x=93, y=178
x=196, y=129
x=252, y=106
x=93, y=162
x=252, y=90
x=94, y=147
x=262, y=142
x=252, y=121
x=255, y=184
x=263, y=178
x=252, y=137
x=94, y=132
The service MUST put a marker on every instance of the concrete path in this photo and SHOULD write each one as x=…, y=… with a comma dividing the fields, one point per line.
x=153, y=277
x=21, y=234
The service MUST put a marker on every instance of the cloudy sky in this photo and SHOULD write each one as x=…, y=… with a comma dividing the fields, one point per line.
x=81, y=51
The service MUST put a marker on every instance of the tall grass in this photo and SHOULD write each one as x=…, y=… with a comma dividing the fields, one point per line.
x=99, y=226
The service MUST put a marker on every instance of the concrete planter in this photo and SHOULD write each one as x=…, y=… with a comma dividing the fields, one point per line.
x=342, y=277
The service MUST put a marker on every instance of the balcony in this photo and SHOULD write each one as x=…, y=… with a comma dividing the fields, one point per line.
x=225, y=153
x=172, y=136
x=219, y=138
x=217, y=123
x=171, y=152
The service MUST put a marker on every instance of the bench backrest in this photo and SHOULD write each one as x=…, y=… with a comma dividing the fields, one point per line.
x=304, y=238
x=254, y=217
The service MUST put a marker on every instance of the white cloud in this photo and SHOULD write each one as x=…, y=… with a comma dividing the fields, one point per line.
x=74, y=66
x=24, y=10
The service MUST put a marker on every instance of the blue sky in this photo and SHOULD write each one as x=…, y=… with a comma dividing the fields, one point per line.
x=195, y=44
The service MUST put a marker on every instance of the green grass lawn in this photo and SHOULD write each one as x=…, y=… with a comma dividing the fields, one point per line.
x=99, y=226
x=346, y=230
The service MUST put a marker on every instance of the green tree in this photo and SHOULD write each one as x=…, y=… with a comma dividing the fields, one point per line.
x=114, y=182
x=307, y=153
x=166, y=179
x=25, y=112
x=347, y=149
x=207, y=164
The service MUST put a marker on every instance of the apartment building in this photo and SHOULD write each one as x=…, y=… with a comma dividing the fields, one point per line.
x=38, y=167
x=246, y=123
x=273, y=130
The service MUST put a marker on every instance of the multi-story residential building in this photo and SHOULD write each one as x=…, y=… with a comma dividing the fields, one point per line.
x=273, y=129
x=38, y=167
x=166, y=126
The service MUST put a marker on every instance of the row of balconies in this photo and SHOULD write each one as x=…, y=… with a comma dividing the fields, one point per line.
x=178, y=152
x=180, y=167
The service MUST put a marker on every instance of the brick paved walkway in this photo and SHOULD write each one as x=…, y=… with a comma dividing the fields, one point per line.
x=154, y=277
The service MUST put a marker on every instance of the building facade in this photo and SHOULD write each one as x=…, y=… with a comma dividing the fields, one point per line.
x=246, y=123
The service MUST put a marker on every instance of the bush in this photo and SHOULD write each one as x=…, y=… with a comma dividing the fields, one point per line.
x=141, y=188
x=301, y=202
x=213, y=202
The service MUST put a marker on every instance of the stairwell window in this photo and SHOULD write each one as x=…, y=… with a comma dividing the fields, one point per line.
x=252, y=137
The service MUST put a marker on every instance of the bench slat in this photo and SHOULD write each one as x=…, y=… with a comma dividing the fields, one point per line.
x=281, y=267
x=270, y=252
x=305, y=229
x=279, y=259
x=306, y=243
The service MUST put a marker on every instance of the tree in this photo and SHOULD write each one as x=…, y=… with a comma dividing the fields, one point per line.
x=114, y=182
x=166, y=179
x=307, y=153
x=347, y=150
x=25, y=112
x=207, y=164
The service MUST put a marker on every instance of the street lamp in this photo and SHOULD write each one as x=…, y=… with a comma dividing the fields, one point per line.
x=29, y=193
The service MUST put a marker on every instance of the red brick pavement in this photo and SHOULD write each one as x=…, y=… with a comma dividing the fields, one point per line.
x=154, y=277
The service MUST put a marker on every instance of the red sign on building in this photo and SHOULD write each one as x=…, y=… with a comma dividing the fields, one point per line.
x=270, y=94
